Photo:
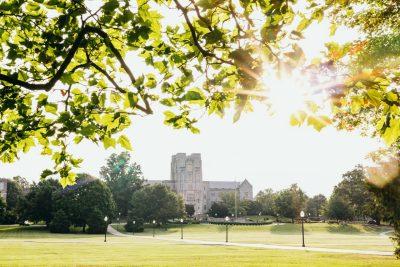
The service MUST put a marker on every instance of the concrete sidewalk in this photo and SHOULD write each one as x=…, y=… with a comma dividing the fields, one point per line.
x=112, y=231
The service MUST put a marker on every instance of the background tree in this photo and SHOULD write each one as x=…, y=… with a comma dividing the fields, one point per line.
x=289, y=202
x=156, y=202
x=266, y=198
x=39, y=204
x=354, y=190
x=316, y=205
x=2, y=210
x=388, y=197
x=189, y=209
x=250, y=207
x=15, y=199
x=136, y=227
x=338, y=209
x=228, y=199
x=218, y=210
x=14, y=194
x=123, y=178
x=86, y=203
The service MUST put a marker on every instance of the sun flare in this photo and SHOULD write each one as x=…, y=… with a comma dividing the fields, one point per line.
x=287, y=93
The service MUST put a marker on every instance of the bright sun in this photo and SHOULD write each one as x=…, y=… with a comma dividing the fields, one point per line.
x=286, y=93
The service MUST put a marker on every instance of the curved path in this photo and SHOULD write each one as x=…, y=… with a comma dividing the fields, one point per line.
x=112, y=231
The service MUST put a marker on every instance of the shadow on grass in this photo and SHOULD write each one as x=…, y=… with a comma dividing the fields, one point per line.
x=343, y=229
x=39, y=231
x=288, y=228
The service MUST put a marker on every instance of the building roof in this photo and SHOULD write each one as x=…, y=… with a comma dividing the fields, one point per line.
x=223, y=184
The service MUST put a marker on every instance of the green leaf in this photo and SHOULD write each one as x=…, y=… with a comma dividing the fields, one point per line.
x=108, y=142
x=318, y=122
x=392, y=132
x=304, y=23
x=78, y=139
x=68, y=180
x=213, y=37
x=332, y=29
x=193, y=95
x=375, y=97
x=124, y=142
x=130, y=100
x=51, y=108
x=298, y=118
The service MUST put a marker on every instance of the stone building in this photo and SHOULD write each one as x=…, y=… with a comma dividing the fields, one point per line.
x=187, y=180
x=3, y=189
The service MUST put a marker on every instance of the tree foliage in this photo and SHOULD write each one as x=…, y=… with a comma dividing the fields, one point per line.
x=123, y=178
x=389, y=198
x=39, y=201
x=156, y=202
x=290, y=202
x=189, y=209
x=339, y=209
x=218, y=210
x=86, y=203
x=315, y=205
x=66, y=69
x=266, y=198
x=354, y=189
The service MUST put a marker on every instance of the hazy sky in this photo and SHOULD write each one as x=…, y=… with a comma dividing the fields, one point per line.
x=263, y=149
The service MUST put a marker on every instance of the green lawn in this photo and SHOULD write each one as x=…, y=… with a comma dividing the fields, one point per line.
x=33, y=246
x=352, y=236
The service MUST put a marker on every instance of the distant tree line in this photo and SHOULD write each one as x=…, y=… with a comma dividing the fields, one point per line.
x=353, y=198
x=119, y=193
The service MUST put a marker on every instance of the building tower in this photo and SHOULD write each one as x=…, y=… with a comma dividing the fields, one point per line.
x=187, y=177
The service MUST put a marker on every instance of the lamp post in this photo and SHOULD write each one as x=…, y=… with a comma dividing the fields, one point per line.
x=133, y=228
x=105, y=232
x=302, y=226
x=119, y=215
x=226, y=221
x=181, y=228
x=154, y=227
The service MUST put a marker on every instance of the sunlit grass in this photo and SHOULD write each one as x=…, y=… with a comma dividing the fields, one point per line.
x=351, y=236
x=149, y=252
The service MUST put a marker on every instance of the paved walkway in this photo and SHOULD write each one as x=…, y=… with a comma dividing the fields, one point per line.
x=112, y=231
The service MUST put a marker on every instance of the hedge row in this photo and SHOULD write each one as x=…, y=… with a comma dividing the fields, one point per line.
x=240, y=223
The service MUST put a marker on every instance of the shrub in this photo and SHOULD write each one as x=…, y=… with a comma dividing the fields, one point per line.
x=137, y=227
x=8, y=217
x=96, y=222
x=60, y=223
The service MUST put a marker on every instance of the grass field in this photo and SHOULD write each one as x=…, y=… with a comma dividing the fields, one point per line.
x=316, y=235
x=33, y=246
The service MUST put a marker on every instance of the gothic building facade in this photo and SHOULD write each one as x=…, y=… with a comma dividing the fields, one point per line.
x=187, y=180
x=3, y=189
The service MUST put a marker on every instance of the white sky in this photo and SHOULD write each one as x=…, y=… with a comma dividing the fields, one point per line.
x=266, y=150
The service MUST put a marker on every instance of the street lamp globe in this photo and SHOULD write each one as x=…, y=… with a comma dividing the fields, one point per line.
x=181, y=220
x=106, y=219
x=226, y=218
x=154, y=221
x=134, y=222
x=302, y=214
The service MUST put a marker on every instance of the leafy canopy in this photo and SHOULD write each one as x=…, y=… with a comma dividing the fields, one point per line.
x=80, y=70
